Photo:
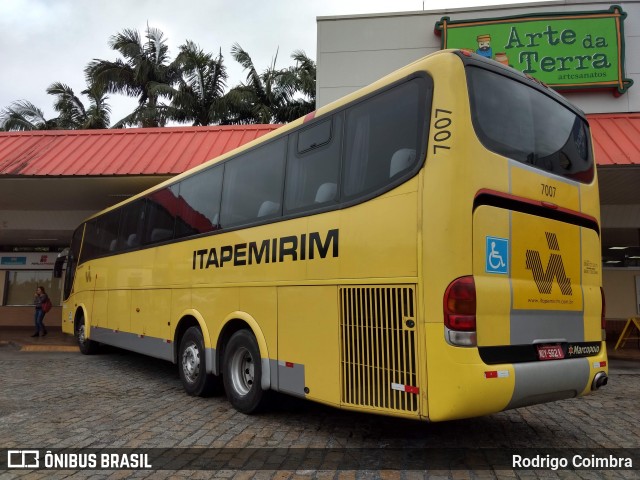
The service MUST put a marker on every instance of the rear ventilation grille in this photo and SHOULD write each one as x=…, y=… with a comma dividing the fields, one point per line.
x=378, y=343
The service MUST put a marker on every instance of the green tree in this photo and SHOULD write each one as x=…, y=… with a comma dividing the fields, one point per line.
x=145, y=67
x=275, y=95
x=23, y=115
x=262, y=97
x=200, y=95
x=301, y=79
x=72, y=113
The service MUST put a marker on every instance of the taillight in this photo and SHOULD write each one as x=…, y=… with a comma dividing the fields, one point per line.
x=603, y=322
x=460, y=312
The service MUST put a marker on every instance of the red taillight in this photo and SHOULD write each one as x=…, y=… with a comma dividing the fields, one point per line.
x=460, y=305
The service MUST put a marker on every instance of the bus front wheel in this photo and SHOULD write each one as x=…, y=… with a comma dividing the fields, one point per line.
x=192, y=365
x=243, y=373
x=86, y=346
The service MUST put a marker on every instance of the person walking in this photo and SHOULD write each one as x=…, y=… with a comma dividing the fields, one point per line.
x=39, y=299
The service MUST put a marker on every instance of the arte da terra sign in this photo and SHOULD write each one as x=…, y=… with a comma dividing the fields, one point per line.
x=570, y=50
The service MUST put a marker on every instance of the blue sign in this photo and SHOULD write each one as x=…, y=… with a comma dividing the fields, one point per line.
x=497, y=257
x=13, y=261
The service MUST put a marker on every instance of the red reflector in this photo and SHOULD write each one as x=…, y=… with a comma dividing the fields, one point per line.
x=466, y=323
x=493, y=374
x=288, y=364
x=410, y=389
x=603, y=364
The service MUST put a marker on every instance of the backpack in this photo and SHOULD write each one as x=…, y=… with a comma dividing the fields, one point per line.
x=46, y=305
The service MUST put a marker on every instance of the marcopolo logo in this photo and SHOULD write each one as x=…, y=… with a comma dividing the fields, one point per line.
x=555, y=269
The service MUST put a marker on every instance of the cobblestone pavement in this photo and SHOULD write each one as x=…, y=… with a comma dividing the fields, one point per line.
x=123, y=400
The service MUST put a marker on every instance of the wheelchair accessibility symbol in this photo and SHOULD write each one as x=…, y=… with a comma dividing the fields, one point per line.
x=497, y=257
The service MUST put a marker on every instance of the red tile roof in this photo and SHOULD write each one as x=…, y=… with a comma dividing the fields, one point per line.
x=616, y=138
x=134, y=151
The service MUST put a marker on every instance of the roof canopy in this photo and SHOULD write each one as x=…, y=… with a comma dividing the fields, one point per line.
x=135, y=151
x=173, y=150
x=616, y=138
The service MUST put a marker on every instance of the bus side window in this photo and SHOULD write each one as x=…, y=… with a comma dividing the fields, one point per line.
x=91, y=243
x=382, y=135
x=198, y=202
x=109, y=224
x=313, y=165
x=131, y=225
x=253, y=185
x=160, y=216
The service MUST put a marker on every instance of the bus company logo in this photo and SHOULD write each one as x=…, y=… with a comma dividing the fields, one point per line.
x=583, y=350
x=555, y=268
x=273, y=250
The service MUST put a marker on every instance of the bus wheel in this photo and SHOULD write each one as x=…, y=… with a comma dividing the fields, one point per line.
x=87, y=347
x=243, y=373
x=192, y=365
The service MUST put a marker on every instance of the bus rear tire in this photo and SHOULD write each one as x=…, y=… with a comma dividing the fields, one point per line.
x=192, y=365
x=243, y=373
x=86, y=346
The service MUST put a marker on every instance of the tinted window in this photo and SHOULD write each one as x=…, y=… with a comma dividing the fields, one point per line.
x=313, y=169
x=90, y=246
x=199, y=202
x=522, y=123
x=131, y=225
x=160, y=216
x=100, y=236
x=315, y=136
x=253, y=185
x=384, y=137
x=108, y=225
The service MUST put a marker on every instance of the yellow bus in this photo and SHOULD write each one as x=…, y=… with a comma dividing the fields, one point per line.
x=427, y=247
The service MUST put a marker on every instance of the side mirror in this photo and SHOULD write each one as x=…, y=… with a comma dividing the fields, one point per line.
x=58, y=266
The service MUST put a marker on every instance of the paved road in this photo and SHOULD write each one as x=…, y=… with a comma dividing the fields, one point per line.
x=123, y=400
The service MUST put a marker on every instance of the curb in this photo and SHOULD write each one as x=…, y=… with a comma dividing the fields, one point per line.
x=39, y=348
x=48, y=348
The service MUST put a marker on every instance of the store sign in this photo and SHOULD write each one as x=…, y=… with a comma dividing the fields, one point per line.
x=565, y=51
x=28, y=261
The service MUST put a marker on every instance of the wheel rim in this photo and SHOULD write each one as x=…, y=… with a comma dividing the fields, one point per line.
x=191, y=362
x=81, y=337
x=242, y=371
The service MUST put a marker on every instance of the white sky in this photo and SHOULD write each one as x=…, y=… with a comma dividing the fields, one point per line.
x=44, y=41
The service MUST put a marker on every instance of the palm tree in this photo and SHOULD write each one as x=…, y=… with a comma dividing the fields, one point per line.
x=73, y=114
x=99, y=113
x=302, y=79
x=144, y=67
x=200, y=96
x=274, y=95
x=24, y=115
x=262, y=97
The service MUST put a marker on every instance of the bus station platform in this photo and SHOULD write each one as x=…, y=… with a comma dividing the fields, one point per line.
x=54, y=341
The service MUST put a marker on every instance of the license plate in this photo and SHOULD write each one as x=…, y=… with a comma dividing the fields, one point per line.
x=550, y=352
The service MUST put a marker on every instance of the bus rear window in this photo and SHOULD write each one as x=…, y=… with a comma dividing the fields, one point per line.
x=522, y=123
